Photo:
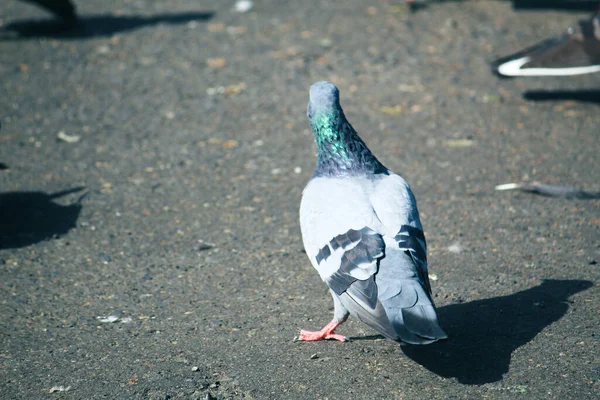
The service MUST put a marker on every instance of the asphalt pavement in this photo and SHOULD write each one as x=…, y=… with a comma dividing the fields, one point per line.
x=152, y=159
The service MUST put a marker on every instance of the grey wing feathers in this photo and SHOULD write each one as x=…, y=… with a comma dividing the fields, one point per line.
x=362, y=249
x=388, y=289
x=374, y=315
x=406, y=300
x=377, y=267
x=417, y=323
x=354, y=281
x=412, y=241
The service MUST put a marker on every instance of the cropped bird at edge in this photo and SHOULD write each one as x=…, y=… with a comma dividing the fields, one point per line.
x=576, y=52
x=361, y=230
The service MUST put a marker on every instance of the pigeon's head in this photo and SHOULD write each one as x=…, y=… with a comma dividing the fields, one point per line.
x=324, y=97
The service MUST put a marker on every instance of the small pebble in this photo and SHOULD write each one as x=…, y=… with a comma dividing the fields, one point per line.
x=103, y=49
x=194, y=368
x=204, y=246
x=59, y=389
x=456, y=143
x=314, y=356
x=592, y=262
x=325, y=42
x=68, y=138
x=108, y=319
x=455, y=248
x=243, y=6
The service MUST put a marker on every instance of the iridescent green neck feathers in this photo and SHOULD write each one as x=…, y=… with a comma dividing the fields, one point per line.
x=340, y=151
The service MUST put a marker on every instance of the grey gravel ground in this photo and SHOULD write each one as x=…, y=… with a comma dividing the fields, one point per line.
x=153, y=251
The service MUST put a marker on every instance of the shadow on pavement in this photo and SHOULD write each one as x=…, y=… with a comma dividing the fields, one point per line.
x=484, y=333
x=567, y=5
x=95, y=25
x=367, y=338
x=60, y=8
x=30, y=217
x=587, y=96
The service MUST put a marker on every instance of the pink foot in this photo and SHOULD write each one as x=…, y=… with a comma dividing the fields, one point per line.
x=326, y=333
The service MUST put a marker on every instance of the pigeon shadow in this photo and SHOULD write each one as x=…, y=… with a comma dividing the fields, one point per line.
x=95, y=25
x=582, y=95
x=30, y=217
x=484, y=333
x=369, y=338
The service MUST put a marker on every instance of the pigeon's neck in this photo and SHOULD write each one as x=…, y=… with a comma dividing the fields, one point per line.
x=340, y=151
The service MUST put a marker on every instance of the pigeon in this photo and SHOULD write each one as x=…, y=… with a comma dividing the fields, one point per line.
x=361, y=231
x=575, y=52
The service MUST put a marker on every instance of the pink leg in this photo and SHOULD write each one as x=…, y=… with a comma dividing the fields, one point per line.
x=326, y=333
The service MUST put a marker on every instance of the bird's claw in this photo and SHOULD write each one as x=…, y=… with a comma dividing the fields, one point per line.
x=311, y=336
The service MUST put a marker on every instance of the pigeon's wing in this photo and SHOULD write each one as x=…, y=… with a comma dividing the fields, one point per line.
x=574, y=53
x=402, y=278
x=396, y=209
x=355, y=280
x=411, y=241
x=342, y=239
x=365, y=239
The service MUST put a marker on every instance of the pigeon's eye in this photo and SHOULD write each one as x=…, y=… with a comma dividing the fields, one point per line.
x=308, y=111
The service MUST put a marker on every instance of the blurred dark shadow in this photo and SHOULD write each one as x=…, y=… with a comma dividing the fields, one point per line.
x=368, y=338
x=483, y=334
x=567, y=5
x=30, y=217
x=94, y=25
x=582, y=95
x=63, y=9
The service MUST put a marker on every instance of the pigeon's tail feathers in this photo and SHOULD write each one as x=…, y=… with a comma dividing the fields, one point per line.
x=412, y=314
x=408, y=317
x=373, y=314
x=422, y=322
